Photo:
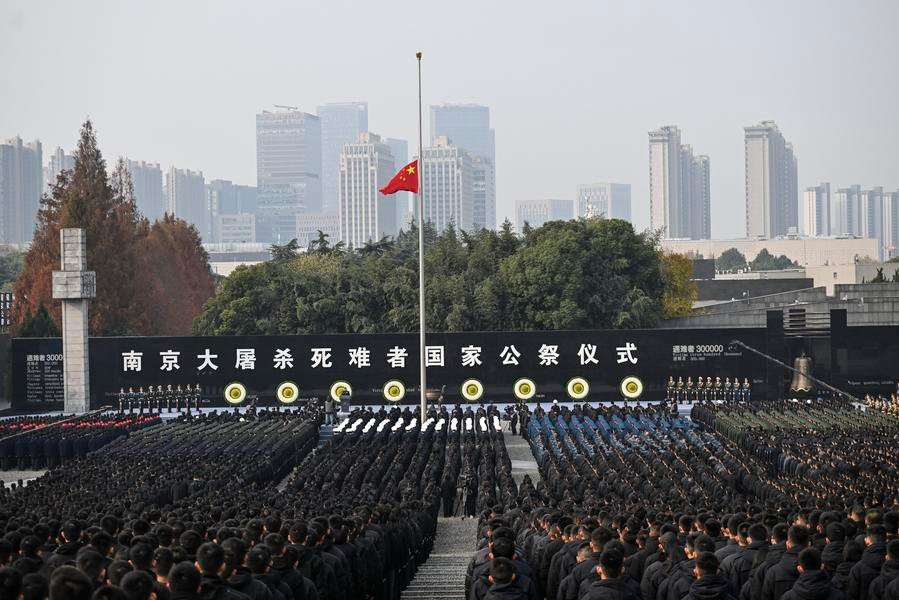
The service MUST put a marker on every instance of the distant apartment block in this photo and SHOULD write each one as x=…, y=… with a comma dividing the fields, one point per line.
x=609, y=200
x=537, y=212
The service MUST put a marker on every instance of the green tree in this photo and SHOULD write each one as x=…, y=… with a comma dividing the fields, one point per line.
x=11, y=263
x=39, y=324
x=285, y=252
x=730, y=260
x=575, y=274
x=896, y=276
x=879, y=278
x=765, y=261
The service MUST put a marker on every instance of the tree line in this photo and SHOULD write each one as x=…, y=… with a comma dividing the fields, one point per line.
x=582, y=274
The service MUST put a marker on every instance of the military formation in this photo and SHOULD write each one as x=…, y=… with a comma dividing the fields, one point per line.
x=159, y=398
x=774, y=500
x=706, y=390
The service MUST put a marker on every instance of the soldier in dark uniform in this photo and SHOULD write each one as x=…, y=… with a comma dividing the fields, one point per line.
x=122, y=398
x=169, y=398
x=669, y=395
x=679, y=395
x=728, y=389
x=198, y=392
x=689, y=390
x=746, y=389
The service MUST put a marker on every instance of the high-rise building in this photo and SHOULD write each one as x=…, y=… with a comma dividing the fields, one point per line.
x=701, y=198
x=288, y=172
x=185, y=192
x=891, y=224
x=365, y=214
x=846, y=211
x=483, y=193
x=467, y=126
x=772, y=186
x=816, y=211
x=872, y=214
x=679, y=188
x=148, y=190
x=21, y=186
x=609, y=200
x=235, y=228
x=537, y=212
x=341, y=122
x=309, y=224
x=224, y=198
x=59, y=161
x=448, y=184
x=400, y=151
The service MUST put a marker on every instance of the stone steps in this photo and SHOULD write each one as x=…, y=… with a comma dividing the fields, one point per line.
x=442, y=576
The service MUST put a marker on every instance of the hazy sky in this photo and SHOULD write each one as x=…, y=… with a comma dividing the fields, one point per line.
x=573, y=86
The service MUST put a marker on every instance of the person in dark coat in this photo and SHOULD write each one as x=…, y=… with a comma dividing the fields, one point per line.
x=868, y=568
x=184, y=581
x=780, y=578
x=889, y=572
x=503, y=583
x=612, y=584
x=211, y=563
x=813, y=583
x=710, y=584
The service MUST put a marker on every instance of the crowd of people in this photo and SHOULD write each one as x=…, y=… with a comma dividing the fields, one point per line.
x=770, y=501
x=777, y=501
x=40, y=443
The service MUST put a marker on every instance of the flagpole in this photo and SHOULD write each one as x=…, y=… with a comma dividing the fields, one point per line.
x=421, y=260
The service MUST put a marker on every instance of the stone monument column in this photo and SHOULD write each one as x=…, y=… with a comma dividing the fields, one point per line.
x=75, y=285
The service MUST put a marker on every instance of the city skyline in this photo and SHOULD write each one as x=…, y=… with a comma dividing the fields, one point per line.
x=709, y=68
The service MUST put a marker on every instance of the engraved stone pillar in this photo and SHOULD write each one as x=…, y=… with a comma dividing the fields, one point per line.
x=75, y=286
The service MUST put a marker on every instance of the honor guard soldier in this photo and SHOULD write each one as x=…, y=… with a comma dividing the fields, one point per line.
x=680, y=389
x=179, y=396
x=169, y=397
x=728, y=389
x=690, y=389
x=719, y=389
x=746, y=390
x=130, y=399
x=198, y=392
x=700, y=388
x=121, y=400
x=670, y=395
x=141, y=395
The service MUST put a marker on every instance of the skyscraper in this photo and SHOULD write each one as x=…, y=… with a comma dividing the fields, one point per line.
x=816, y=211
x=59, y=161
x=772, y=187
x=846, y=211
x=185, y=192
x=366, y=215
x=448, y=184
x=21, y=186
x=891, y=224
x=609, y=200
x=701, y=198
x=537, y=212
x=400, y=151
x=341, y=122
x=148, y=189
x=679, y=190
x=288, y=171
x=467, y=126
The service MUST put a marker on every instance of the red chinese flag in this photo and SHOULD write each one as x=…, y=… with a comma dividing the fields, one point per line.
x=406, y=180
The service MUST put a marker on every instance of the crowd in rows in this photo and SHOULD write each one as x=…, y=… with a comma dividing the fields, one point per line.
x=41, y=443
x=642, y=504
x=246, y=506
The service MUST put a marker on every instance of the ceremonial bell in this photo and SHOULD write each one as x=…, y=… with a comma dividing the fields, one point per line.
x=803, y=368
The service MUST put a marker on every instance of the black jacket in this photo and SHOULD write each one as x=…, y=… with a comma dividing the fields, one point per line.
x=889, y=572
x=780, y=578
x=618, y=588
x=813, y=585
x=865, y=571
x=711, y=587
x=213, y=587
x=242, y=581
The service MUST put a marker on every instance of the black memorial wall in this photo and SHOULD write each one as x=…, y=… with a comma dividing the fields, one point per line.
x=315, y=362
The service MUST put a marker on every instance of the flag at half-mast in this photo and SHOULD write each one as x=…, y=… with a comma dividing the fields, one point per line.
x=405, y=180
